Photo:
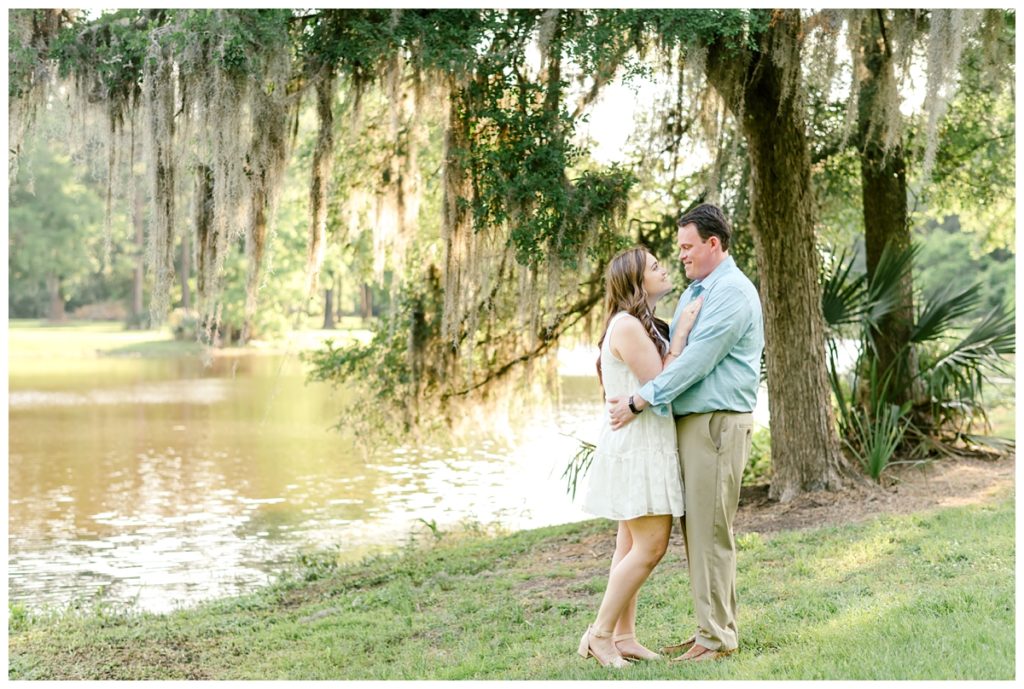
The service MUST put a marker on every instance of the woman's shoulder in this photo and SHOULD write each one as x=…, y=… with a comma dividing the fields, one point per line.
x=626, y=317
x=626, y=322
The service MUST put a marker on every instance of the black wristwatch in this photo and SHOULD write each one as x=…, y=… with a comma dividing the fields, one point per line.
x=632, y=407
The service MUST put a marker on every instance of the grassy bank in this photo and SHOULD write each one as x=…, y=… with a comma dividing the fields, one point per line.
x=30, y=340
x=929, y=595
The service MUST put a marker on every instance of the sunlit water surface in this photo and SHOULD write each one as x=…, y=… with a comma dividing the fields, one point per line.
x=164, y=482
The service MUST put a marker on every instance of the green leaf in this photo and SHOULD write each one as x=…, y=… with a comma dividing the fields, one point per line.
x=942, y=310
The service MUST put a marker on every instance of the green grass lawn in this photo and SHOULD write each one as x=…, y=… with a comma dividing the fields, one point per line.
x=28, y=340
x=31, y=341
x=924, y=596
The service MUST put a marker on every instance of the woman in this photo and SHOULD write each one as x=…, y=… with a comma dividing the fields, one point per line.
x=634, y=477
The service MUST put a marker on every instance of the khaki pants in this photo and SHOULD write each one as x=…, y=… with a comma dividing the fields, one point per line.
x=713, y=449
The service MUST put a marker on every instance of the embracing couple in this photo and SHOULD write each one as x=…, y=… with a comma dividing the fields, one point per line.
x=677, y=435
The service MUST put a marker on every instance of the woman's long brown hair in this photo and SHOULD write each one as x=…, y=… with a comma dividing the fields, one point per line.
x=624, y=291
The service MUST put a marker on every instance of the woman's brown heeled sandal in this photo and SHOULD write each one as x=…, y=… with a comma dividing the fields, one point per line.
x=587, y=651
x=646, y=655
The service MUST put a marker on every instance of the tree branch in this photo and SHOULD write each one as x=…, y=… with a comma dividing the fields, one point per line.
x=984, y=142
x=547, y=337
x=604, y=75
x=885, y=39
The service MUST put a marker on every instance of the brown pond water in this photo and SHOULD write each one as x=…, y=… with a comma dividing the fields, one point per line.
x=163, y=482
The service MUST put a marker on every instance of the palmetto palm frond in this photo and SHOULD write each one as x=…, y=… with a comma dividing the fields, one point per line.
x=850, y=298
x=883, y=286
x=942, y=310
x=965, y=363
x=842, y=294
x=949, y=371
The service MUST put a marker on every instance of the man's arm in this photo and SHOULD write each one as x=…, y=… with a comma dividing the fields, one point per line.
x=726, y=317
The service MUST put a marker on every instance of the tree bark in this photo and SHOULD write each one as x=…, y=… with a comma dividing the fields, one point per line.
x=329, y=309
x=366, y=302
x=206, y=234
x=53, y=286
x=762, y=88
x=884, y=202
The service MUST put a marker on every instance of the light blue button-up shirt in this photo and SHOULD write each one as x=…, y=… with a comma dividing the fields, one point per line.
x=720, y=368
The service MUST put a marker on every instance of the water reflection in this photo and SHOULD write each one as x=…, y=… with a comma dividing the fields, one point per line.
x=165, y=482
x=184, y=391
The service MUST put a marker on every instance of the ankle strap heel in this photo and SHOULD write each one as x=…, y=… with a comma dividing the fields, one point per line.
x=586, y=651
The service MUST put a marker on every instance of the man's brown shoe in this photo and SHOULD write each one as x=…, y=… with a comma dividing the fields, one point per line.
x=699, y=653
x=680, y=647
x=715, y=655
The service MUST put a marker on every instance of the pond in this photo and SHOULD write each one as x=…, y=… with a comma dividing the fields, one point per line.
x=163, y=481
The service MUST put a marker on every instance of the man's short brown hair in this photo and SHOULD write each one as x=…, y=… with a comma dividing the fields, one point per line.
x=709, y=221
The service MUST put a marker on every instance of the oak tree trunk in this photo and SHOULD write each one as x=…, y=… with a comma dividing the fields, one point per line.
x=329, y=309
x=53, y=287
x=366, y=301
x=764, y=91
x=206, y=233
x=884, y=202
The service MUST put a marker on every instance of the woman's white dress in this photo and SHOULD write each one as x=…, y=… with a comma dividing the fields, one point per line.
x=635, y=470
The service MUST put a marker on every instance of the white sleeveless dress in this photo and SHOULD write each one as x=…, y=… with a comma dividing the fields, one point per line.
x=635, y=470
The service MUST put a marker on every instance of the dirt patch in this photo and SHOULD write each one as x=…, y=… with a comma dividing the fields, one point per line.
x=908, y=488
x=560, y=566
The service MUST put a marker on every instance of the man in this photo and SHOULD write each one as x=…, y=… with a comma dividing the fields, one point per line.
x=711, y=389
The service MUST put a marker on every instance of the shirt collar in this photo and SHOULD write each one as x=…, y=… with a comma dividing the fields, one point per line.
x=714, y=276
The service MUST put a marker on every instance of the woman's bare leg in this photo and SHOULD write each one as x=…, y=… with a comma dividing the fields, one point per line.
x=626, y=624
x=650, y=540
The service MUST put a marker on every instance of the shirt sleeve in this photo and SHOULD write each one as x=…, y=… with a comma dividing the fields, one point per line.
x=724, y=318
